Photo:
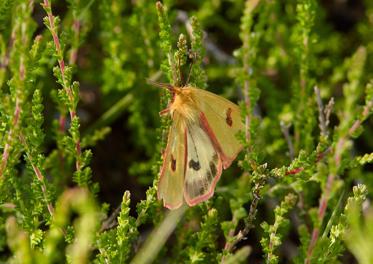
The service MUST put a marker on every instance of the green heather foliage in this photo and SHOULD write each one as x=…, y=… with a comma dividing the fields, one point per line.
x=81, y=138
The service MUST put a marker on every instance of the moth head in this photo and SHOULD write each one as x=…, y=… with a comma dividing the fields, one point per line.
x=183, y=101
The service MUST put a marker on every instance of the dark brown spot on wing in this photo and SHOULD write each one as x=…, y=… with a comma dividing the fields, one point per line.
x=197, y=187
x=173, y=163
x=209, y=176
x=212, y=168
x=201, y=189
x=194, y=165
x=228, y=118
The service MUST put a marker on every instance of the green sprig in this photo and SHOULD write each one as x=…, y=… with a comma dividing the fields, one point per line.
x=274, y=234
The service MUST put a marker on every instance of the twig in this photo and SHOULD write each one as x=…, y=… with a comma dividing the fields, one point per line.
x=328, y=110
x=110, y=222
x=242, y=234
x=210, y=46
x=285, y=132
x=324, y=113
x=367, y=108
x=5, y=60
x=322, y=118
x=252, y=212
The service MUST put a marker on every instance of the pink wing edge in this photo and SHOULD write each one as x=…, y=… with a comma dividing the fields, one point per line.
x=170, y=206
x=224, y=162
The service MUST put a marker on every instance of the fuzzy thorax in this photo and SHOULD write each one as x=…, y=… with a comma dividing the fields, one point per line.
x=184, y=105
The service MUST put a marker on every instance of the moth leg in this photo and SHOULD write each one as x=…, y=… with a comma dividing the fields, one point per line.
x=164, y=111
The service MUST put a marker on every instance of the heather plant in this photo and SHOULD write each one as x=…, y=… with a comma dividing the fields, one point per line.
x=81, y=139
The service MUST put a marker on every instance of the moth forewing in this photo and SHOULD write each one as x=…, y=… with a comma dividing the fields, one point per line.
x=171, y=181
x=222, y=121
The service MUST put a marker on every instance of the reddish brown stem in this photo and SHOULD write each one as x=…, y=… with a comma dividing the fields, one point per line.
x=78, y=152
x=61, y=122
x=365, y=113
x=294, y=171
x=57, y=45
x=7, y=147
x=40, y=177
x=17, y=110
x=66, y=86
x=322, y=209
x=5, y=60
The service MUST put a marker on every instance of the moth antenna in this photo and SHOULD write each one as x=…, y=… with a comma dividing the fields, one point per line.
x=167, y=86
x=181, y=73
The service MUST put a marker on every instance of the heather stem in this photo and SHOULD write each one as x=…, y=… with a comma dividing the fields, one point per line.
x=39, y=175
x=250, y=6
x=7, y=147
x=322, y=119
x=65, y=84
x=337, y=160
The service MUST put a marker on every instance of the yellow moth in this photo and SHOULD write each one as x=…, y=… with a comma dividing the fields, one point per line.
x=201, y=143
